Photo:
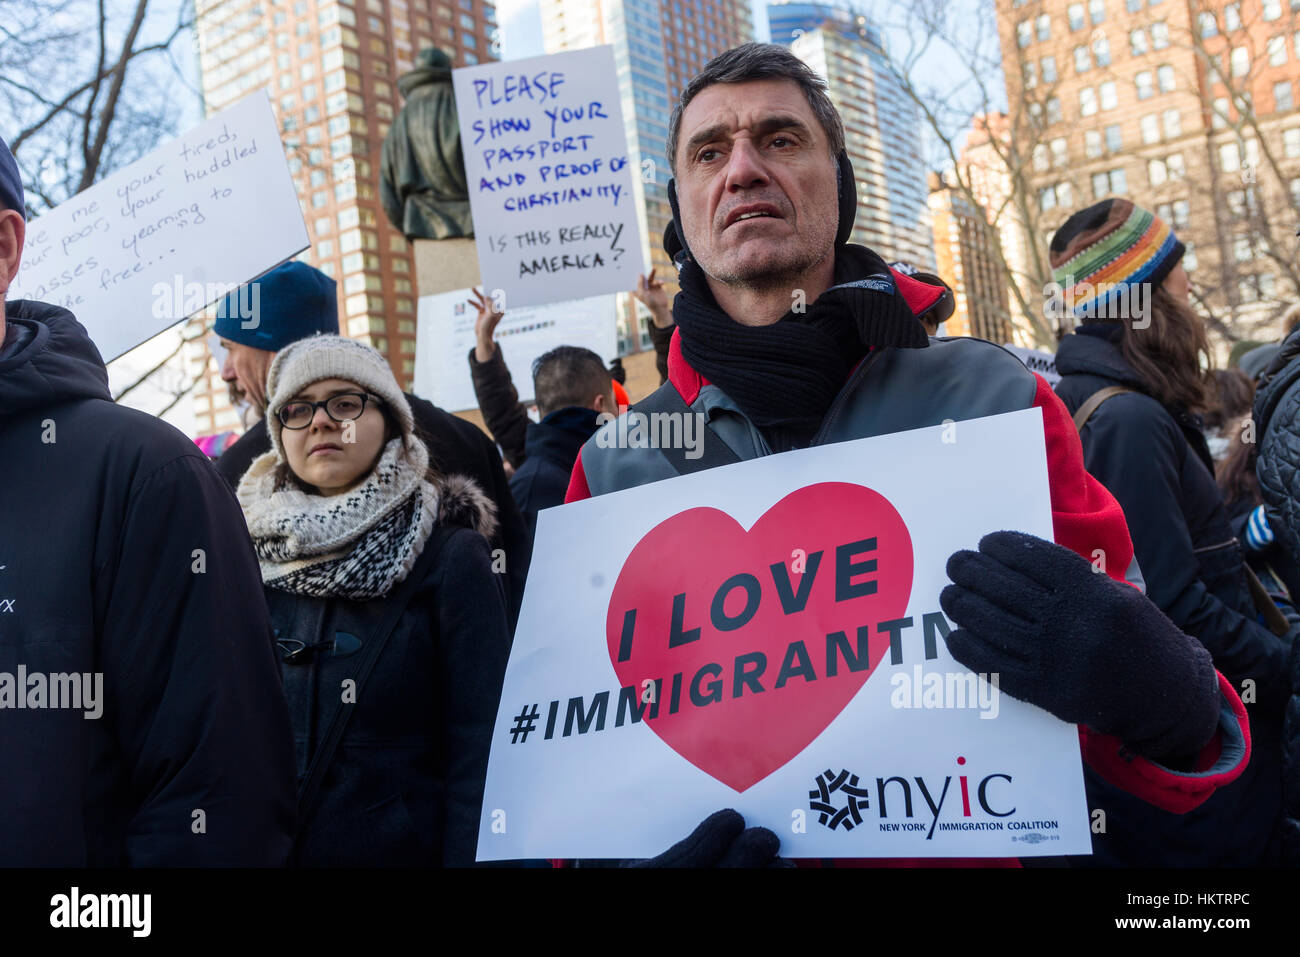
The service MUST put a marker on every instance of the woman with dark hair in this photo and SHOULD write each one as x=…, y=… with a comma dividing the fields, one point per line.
x=390, y=621
x=1134, y=374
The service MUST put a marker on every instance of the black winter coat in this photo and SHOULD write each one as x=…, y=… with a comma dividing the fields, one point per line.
x=1277, y=429
x=122, y=552
x=549, y=448
x=1156, y=463
x=456, y=447
x=405, y=785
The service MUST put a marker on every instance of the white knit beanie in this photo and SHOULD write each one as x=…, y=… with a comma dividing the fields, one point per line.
x=310, y=360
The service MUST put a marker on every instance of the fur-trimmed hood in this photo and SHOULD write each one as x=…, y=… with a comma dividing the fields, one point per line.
x=462, y=502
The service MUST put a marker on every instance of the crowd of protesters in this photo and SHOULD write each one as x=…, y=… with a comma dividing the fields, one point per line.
x=302, y=662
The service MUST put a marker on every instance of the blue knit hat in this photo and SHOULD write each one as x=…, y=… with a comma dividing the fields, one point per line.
x=291, y=302
x=11, y=183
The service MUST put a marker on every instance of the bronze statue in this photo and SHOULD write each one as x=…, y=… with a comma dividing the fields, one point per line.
x=422, y=177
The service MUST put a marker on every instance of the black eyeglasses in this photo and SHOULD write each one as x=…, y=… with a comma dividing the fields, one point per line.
x=343, y=407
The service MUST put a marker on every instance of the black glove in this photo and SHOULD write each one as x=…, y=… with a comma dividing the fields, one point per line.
x=721, y=840
x=1073, y=641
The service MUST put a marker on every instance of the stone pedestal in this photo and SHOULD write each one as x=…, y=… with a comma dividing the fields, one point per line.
x=445, y=265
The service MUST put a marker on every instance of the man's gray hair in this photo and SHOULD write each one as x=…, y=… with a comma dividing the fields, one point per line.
x=759, y=61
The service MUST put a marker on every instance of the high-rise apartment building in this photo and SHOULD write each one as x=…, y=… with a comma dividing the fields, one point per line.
x=1186, y=107
x=659, y=45
x=966, y=260
x=882, y=126
x=331, y=68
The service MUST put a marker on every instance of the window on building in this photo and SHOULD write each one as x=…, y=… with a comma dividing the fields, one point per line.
x=1150, y=128
x=1176, y=166
x=1219, y=113
x=1240, y=61
x=1291, y=142
x=1165, y=78
x=1075, y=14
x=1159, y=35
x=1109, y=97
x=1243, y=250
x=1092, y=144
x=1083, y=59
x=1189, y=256
x=1232, y=16
x=1157, y=174
x=1101, y=51
x=1041, y=157
x=1049, y=69
x=1137, y=42
x=1272, y=9
x=1059, y=151
x=319, y=199
x=1132, y=6
x=1109, y=182
x=1276, y=50
x=1087, y=101
x=1230, y=157
x=1043, y=26
x=1173, y=123
x=1114, y=140
x=1282, y=97
x=1097, y=11
x=1295, y=193
x=1209, y=27
x=1145, y=87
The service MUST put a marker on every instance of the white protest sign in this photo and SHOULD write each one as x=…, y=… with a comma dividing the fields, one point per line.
x=445, y=335
x=169, y=234
x=546, y=159
x=768, y=636
x=1036, y=360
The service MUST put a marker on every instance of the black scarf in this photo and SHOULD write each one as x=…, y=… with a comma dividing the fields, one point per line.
x=784, y=376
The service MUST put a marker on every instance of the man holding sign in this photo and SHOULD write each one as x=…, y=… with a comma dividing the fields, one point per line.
x=148, y=724
x=788, y=338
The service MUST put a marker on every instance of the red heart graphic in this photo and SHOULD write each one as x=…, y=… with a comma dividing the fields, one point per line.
x=699, y=590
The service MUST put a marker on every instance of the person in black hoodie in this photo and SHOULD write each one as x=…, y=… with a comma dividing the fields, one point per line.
x=572, y=388
x=390, y=621
x=1135, y=392
x=123, y=561
x=296, y=301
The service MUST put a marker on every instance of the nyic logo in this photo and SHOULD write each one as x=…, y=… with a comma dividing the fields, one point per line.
x=848, y=811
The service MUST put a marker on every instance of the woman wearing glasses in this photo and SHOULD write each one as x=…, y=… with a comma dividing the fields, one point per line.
x=389, y=622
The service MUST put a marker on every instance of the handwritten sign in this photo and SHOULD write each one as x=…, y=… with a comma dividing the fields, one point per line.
x=546, y=159
x=768, y=636
x=445, y=335
x=169, y=234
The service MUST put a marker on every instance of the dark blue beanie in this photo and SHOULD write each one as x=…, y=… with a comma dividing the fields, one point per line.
x=11, y=184
x=291, y=302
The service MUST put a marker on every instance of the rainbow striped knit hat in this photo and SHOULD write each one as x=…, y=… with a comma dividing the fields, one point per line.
x=1103, y=256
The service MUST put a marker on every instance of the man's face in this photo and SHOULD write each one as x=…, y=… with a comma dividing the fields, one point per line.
x=247, y=368
x=756, y=150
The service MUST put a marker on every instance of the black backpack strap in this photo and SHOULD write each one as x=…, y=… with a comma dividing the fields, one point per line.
x=714, y=451
x=396, y=603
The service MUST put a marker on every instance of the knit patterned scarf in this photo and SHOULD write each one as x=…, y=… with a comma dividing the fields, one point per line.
x=356, y=545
